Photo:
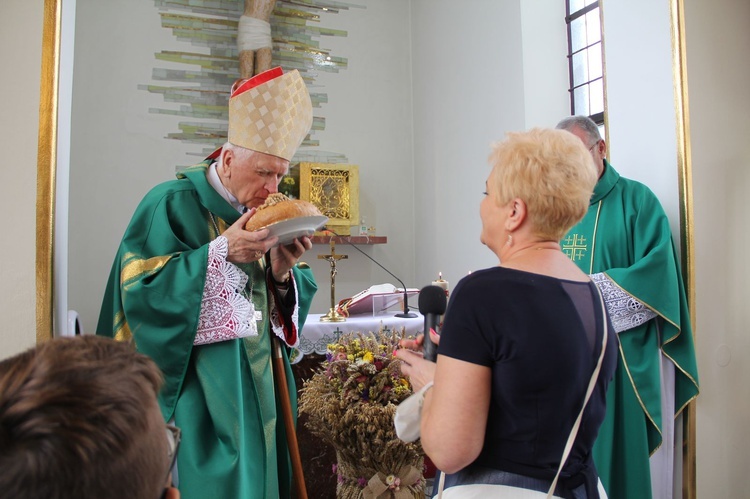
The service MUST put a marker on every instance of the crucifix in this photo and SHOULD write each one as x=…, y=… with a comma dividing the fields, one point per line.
x=333, y=315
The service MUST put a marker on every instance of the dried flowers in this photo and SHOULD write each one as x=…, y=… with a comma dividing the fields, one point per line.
x=350, y=403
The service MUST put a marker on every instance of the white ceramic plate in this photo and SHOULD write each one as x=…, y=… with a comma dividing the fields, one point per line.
x=289, y=230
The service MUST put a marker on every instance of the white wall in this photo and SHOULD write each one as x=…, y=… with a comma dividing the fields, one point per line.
x=467, y=81
x=117, y=151
x=640, y=97
x=21, y=51
x=718, y=42
x=545, y=67
x=62, y=326
x=369, y=118
x=476, y=76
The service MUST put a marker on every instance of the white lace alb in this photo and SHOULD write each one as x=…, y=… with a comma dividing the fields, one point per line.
x=226, y=314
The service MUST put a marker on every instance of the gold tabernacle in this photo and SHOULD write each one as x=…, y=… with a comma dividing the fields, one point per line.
x=334, y=189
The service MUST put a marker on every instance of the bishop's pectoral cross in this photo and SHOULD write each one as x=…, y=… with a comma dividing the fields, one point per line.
x=333, y=315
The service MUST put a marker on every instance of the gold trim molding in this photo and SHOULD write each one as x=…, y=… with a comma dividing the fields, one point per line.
x=46, y=168
x=687, y=247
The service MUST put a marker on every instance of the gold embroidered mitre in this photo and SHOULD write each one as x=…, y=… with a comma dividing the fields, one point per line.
x=270, y=113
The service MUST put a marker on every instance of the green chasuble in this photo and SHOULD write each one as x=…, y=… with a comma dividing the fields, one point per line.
x=626, y=235
x=221, y=395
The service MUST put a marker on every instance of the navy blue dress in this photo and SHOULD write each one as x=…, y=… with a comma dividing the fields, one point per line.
x=541, y=337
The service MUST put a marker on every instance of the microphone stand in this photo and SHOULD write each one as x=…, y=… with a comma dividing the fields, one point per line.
x=405, y=314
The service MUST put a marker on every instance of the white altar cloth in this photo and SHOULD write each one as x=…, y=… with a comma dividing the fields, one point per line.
x=316, y=335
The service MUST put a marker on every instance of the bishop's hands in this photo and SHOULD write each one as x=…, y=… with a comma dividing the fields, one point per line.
x=284, y=257
x=413, y=363
x=246, y=246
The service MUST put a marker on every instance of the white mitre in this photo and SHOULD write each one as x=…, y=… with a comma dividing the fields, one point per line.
x=270, y=113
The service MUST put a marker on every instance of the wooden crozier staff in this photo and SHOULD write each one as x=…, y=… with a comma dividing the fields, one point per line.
x=279, y=375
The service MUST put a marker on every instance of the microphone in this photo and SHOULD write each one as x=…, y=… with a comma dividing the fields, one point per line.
x=405, y=314
x=432, y=303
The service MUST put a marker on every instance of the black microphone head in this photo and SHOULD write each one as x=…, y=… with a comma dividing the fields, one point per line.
x=432, y=300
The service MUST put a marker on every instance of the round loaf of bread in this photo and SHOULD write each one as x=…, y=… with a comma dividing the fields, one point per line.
x=278, y=208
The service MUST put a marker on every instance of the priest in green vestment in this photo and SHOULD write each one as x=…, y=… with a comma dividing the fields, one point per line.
x=625, y=243
x=206, y=299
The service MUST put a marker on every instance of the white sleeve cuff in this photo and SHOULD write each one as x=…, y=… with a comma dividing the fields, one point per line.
x=625, y=311
x=226, y=313
x=277, y=325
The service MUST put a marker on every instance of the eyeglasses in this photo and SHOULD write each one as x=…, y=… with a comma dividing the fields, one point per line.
x=174, y=435
x=591, y=149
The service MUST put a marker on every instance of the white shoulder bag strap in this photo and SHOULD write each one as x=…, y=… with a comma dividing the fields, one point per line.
x=589, y=390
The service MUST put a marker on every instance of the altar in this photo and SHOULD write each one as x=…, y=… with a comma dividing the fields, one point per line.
x=316, y=335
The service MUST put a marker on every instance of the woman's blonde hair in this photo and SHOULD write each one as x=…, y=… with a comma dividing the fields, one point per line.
x=551, y=171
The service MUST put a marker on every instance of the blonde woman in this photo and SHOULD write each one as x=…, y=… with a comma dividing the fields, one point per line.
x=520, y=340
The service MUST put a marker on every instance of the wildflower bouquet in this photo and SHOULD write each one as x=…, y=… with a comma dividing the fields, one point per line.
x=350, y=403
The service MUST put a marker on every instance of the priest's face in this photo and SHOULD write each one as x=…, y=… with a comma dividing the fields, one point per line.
x=597, y=149
x=251, y=176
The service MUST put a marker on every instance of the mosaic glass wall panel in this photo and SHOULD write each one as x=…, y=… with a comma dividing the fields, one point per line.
x=195, y=82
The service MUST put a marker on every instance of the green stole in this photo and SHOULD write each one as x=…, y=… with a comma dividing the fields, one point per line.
x=626, y=235
x=222, y=395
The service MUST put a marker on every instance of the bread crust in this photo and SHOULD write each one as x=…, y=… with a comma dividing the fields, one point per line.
x=278, y=208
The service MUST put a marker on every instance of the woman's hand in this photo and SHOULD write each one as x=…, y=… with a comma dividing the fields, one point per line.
x=413, y=364
x=416, y=344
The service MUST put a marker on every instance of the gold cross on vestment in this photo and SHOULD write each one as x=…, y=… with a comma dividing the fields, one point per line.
x=575, y=246
x=333, y=315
